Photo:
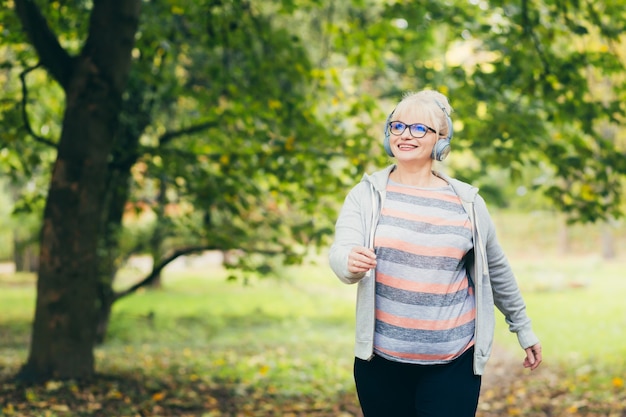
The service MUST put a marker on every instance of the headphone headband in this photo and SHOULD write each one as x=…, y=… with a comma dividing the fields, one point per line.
x=448, y=119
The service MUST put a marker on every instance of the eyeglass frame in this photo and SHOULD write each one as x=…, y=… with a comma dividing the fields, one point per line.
x=410, y=130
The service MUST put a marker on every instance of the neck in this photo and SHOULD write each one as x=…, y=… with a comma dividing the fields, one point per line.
x=420, y=176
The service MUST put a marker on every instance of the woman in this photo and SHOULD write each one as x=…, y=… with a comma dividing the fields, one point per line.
x=423, y=250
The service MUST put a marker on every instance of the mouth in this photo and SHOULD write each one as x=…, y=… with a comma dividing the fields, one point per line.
x=407, y=147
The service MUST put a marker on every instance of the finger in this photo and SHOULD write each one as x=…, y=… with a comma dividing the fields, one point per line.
x=351, y=265
x=538, y=360
x=352, y=257
x=354, y=265
x=364, y=264
x=363, y=260
x=368, y=253
x=363, y=253
x=533, y=359
x=529, y=360
x=536, y=351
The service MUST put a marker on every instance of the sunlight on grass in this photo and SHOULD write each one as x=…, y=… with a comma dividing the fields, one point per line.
x=290, y=335
x=294, y=335
x=577, y=307
x=578, y=312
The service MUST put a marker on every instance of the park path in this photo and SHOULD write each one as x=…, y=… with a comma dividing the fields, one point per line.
x=509, y=389
x=504, y=366
x=503, y=386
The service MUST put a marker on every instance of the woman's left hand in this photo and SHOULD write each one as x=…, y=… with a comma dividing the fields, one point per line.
x=533, y=357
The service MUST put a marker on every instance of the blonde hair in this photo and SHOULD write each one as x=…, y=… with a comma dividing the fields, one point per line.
x=426, y=106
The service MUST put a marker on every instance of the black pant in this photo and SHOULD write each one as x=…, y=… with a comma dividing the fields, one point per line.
x=394, y=389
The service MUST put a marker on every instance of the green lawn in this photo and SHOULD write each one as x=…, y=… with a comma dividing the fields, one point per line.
x=576, y=300
x=578, y=308
x=276, y=332
x=292, y=336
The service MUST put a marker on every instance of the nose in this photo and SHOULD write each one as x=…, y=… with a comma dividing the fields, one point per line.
x=406, y=134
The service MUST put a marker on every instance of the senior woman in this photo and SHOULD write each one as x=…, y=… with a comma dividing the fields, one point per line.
x=423, y=250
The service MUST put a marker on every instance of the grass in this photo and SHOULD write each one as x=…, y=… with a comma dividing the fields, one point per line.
x=578, y=307
x=279, y=332
x=578, y=313
x=574, y=299
x=292, y=337
x=274, y=333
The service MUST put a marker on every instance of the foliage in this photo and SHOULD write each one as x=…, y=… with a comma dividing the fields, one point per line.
x=225, y=102
x=243, y=176
x=528, y=82
x=223, y=140
x=240, y=132
x=5, y=232
x=552, y=84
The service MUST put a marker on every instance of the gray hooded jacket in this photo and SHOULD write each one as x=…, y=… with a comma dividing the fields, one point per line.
x=489, y=270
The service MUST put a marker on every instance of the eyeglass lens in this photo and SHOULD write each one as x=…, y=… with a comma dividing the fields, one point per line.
x=417, y=130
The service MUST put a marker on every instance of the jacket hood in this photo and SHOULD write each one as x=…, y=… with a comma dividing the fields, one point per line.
x=465, y=191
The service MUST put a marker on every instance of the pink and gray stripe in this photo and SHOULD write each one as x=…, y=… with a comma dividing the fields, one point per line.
x=425, y=307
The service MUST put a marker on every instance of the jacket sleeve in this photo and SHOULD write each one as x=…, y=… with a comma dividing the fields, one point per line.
x=349, y=232
x=506, y=293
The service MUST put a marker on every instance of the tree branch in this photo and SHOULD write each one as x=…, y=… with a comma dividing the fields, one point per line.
x=152, y=150
x=110, y=50
x=27, y=125
x=169, y=136
x=51, y=54
x=527, y=27
x=156, y=270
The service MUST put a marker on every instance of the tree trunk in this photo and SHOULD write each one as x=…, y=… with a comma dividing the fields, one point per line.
x=123, y=158
x=117, y=191
x=563, y=237
x=66, y=312
x=25, y=245
x=64, y=331
x=608, y=241
x=156, y=240
x=106, y=299
x=25, y=255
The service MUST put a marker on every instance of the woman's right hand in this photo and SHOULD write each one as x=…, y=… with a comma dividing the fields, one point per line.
x=361, y=259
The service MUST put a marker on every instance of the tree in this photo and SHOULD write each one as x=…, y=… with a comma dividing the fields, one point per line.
x=518, y=77
x=206, y=114
x=242, y=125
x=238, y=170
x=93, y=82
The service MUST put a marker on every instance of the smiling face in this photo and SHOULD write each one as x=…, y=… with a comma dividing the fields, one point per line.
x=405, y=146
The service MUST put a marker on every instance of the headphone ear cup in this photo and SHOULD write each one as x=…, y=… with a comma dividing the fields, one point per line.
x=441, y=149
x=386, y=143
x=442, y=146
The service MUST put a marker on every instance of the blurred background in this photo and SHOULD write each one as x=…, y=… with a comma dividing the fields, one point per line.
x=171, y=171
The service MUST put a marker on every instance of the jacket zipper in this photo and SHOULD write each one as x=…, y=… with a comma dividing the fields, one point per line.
x=376, y=208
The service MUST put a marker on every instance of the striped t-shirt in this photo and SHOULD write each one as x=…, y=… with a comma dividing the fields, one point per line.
x=425, y=306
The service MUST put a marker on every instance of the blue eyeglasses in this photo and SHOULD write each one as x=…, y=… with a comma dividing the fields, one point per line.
x=417, y=130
